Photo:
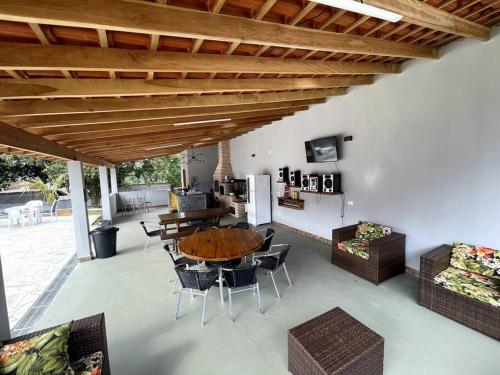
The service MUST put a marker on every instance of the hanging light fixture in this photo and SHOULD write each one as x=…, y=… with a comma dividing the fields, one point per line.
x=162, y=146
x=359, y=7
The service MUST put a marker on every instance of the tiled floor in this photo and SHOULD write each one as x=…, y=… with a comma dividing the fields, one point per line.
x=133, y=291
x=32, y=257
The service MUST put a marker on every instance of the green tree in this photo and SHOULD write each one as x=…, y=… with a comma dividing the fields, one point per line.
x=48, y=175
x=20, y=168
x=164, y=169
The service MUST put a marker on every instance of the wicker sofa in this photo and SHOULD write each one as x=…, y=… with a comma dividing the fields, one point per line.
x=386, y=255
x=88, y=335
x=471, y=312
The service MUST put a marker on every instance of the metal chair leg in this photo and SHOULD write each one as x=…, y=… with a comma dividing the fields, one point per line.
x=258, y=298
x=287, y=276
x=146, y=246
x=231, y=316
x=178, y=305
x=173, y=288
x=204, y=308
x=274, y=282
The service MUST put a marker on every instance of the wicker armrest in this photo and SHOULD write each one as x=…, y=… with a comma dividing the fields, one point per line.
x=434, y=262
x=384, y=248
x=381, y=242
x=87, y=336
x=344, y=234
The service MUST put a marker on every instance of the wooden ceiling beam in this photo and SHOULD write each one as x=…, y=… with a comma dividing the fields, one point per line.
x=44, y=121
x=97, y=134
x=18, y=138
x=157, y=144
x=235, y=117
x=100, y=130
x=166, y=139
x=30, y=107
x=23, y=56
x=80, y=88
x=419, y=13
x=149, y=18
x=126, y=157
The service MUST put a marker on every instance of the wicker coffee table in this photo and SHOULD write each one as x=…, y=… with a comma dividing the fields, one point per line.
x=334, y=343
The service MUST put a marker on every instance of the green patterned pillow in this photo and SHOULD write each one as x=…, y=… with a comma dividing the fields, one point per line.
x=43, y=354
x=481, y=260
x=371, y=231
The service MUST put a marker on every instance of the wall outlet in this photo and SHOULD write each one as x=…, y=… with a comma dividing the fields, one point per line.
x=350, y=203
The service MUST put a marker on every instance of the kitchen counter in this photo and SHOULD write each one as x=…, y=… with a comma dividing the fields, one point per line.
x=189, y=201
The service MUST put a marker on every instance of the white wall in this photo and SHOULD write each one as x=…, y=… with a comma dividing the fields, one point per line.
x=201, y=171
x=425, y=157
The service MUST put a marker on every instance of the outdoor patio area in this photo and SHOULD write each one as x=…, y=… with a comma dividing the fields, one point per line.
x=32, y=257
x=132, y=289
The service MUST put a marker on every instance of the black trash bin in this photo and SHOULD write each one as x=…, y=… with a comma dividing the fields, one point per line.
x=104, y=241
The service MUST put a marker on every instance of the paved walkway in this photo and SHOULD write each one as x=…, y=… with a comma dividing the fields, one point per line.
x=32, y=257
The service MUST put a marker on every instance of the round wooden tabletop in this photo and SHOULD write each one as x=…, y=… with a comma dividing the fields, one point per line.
x=219, y=245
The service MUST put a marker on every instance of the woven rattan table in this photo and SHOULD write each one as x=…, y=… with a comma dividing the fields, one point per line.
x=334, y=343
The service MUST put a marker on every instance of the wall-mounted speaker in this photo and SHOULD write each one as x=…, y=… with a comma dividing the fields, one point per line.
x=283, y=174
x=305, y=182
x=332, y=183
x=315, y=183
x=294, y=178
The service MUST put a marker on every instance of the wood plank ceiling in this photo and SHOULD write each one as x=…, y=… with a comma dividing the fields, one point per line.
x=108, y=81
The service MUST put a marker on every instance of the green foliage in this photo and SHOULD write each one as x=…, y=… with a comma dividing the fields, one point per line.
x=48, y=176
x=48, y=189
x=20, y=168
x=165, y=169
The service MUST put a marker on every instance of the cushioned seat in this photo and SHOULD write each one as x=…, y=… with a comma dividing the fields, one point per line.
x=471, y=284
x=355, y=246
x=477, y=259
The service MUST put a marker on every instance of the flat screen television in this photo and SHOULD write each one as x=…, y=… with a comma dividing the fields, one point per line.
x=321, y=150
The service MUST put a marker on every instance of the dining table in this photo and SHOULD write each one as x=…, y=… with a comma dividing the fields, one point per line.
x=217, y=246
x=178, y=218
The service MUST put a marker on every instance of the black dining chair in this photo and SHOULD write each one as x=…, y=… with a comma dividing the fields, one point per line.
x=241, y=280
x=266, y=245
x=241, y=225
x=194, y=282
x=273, y=263
x=151, y=229
x=176, y=261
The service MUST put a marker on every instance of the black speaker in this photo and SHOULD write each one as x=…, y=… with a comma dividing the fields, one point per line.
x=332, y=183
x=305, y=182
x=315, y=183
x=294, y=178
x=283, y=174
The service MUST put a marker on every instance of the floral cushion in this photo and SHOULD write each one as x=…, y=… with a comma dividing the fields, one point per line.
x=355, y=246
x=43, y=354
x=470, y=284
x=371, y=231
x=89, y=365
x=476, y=259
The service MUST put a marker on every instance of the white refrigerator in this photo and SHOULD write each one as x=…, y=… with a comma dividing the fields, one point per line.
x=258, y=199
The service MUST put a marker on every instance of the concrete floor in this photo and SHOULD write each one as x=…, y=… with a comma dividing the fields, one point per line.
x=144, y=338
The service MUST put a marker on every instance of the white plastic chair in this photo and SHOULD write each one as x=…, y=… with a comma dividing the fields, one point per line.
x=14, y=215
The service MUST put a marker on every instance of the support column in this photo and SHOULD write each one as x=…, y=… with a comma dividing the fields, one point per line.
x=105, y=199
x=79, y=207
x=4, y=314
x=114, y=181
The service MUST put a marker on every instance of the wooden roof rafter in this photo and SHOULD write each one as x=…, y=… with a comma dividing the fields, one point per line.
x=260, y=52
